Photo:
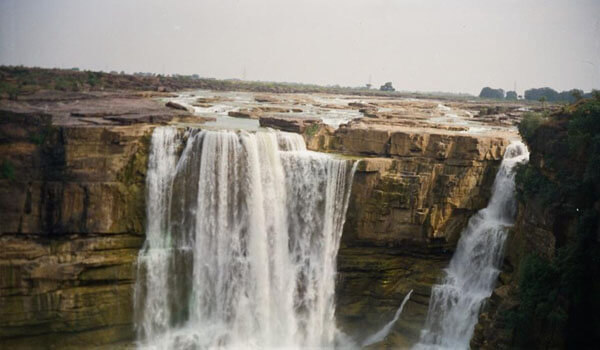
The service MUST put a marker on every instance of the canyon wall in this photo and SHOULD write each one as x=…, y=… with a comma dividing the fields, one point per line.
x=413, y=193
x=72, y=206
x=72, y=199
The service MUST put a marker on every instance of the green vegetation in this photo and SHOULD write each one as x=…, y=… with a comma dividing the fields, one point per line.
x=488, y=92
x=511, y=95
x=532, y=182
x=312, y=129
x=558, y=297
x=7, y=170
x=539, y=286
x=10, y=89
x=387, y=87
x=529, y=124
x=552, y=95
x=19, y=80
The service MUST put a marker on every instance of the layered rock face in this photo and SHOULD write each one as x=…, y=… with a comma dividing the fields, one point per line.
x=72, y=207
x=413, y=193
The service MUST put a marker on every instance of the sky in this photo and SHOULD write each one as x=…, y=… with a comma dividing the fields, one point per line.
x=418, y=45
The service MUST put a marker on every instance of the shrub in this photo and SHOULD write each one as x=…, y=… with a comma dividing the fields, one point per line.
x=7, y=170
x=529, y=124
x=312, y=129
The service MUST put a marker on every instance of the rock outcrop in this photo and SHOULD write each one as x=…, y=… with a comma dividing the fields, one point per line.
x=72, y=201
x=289, y=124
x=413, y=193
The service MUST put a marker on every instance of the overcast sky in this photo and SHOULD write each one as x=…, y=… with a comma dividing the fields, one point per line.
x=424, y=45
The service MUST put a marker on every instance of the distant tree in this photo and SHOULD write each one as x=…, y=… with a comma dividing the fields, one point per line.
x=577, y=94
x=543, y=100
x=511, y=95
x=369, y=86
x=536, y=94
x=387, y=87
x=488, y=92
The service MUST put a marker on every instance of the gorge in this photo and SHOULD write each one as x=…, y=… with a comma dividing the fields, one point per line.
x=130, y=224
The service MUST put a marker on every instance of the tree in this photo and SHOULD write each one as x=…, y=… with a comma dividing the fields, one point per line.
x=536, y=94
x=511, y=95
x=488, y=92
x=387, y=87
x=577, y=94
x=543, y=100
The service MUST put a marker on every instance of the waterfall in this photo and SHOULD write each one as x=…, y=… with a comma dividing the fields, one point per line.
x=455, y=303
x=242, y=236
x=382, y=333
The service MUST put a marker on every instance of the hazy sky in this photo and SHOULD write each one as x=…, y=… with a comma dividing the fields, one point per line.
x=425, y=45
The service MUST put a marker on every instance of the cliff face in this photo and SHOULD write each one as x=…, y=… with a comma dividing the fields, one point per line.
x=413, y=193
x=72, y=206
x=548, y=291
x=72, y=192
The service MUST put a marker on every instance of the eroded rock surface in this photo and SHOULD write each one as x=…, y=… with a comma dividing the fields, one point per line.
x=73, y=210
x=72, y=207
x=413, y=193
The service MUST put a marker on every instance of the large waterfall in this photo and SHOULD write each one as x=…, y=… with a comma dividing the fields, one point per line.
x=243, y=231
x=455, y=303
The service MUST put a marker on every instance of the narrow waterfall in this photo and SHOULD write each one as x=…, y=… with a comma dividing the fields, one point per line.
x=455, y=303
x=242, y=237
x=383, y=332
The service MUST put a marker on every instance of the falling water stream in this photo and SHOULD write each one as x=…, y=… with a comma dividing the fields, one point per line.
x=455, y=303
x=242, y=236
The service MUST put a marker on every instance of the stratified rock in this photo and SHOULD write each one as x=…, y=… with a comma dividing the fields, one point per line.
x=244, y=113
x=71, y=227
x=266, y=98
x=289, y=124
x=369, y=112
x=412, y=195
x=177, y=105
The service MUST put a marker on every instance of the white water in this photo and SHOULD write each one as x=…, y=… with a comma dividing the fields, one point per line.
x=382, y=333
x=455, y=303
x=242, y=236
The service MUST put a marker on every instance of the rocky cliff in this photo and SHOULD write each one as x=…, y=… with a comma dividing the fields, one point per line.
x=413, y=192
x=72, y=206
x=72, y=202
x=547, y=295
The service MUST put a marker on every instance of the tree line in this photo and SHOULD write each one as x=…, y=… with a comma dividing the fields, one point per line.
x=536, y=94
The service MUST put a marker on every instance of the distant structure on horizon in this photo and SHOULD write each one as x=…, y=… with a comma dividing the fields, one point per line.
x=387, y=87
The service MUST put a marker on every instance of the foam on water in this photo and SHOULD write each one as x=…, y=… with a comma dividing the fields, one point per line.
x=455, y=302
x=242, y=237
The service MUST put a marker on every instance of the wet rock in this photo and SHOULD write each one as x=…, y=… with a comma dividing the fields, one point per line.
x=298, y=125
x=177, y=105
x=244, y=113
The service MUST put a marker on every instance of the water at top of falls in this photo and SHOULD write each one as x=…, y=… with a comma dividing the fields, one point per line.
x=455, y=302
x=242, y=236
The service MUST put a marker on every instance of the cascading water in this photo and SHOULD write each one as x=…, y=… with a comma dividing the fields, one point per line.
x=383, y=332
x=242, y=236
x=455, y=304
